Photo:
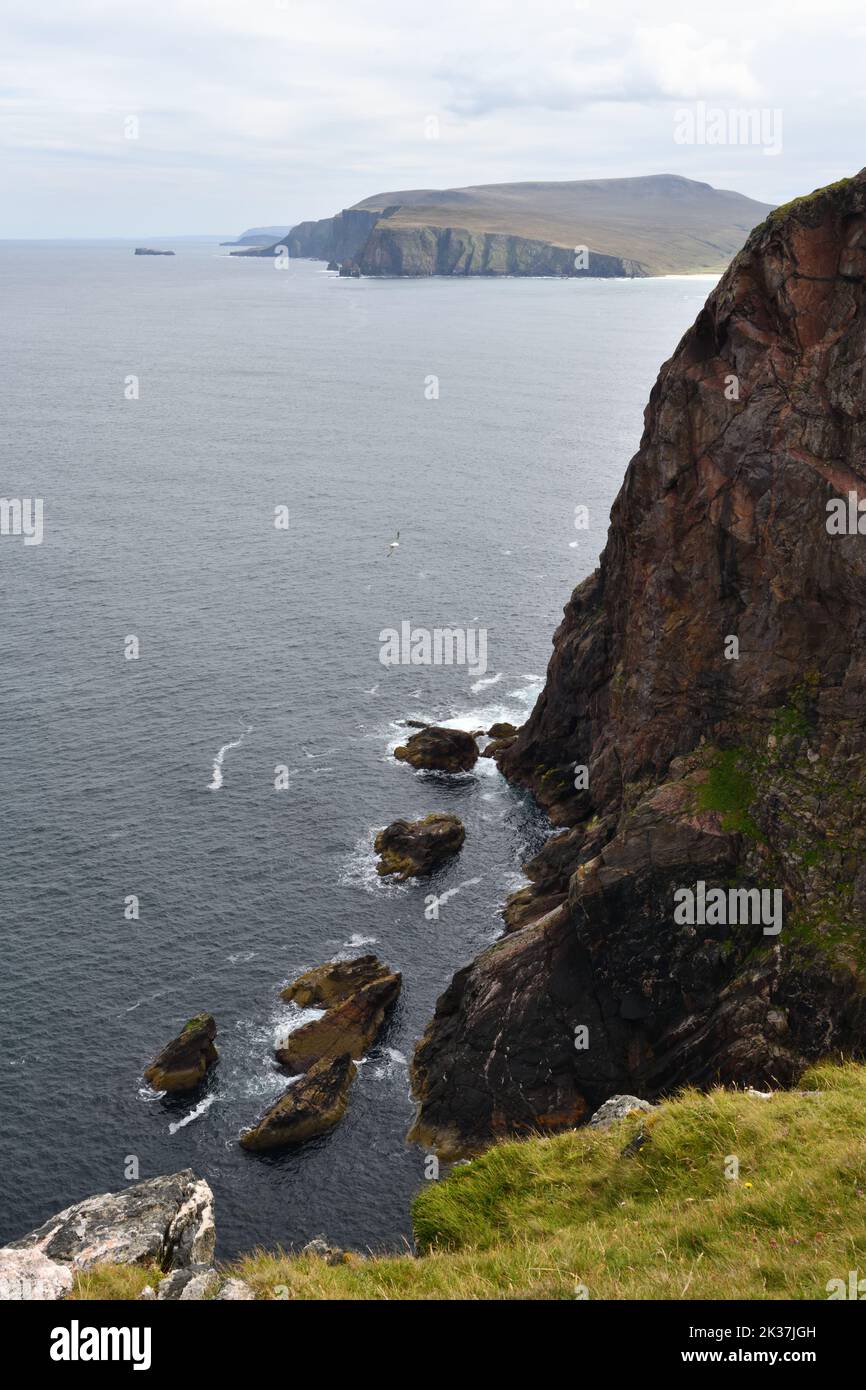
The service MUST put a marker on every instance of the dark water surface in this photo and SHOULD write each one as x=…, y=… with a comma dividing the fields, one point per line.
x=260, y=388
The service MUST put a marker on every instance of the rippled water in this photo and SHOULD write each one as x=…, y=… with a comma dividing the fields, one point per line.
x=259, y=647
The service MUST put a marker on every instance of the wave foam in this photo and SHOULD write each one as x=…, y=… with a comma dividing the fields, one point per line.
x=217, y=778
x=193, y=1114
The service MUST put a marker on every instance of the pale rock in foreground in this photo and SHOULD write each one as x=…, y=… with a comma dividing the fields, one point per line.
x=617, y=1108
x=166, y=1220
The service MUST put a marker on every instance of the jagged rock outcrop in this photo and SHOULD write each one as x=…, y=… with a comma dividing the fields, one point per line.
x=333, y=982
x=349, y=1026
x=307, y=1108
x=435, y=749
x=185, y=1061
x=702, y=728
x=167, y=1220
x=410, y=849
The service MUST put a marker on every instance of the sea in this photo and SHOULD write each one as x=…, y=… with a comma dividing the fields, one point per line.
x=196, y=727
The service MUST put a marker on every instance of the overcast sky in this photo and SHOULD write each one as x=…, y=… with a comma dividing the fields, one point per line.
x=268, y=111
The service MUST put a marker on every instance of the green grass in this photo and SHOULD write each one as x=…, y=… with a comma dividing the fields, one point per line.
x=113, y=1282
x=729, y=790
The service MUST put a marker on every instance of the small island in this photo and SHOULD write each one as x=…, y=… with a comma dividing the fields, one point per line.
x=146, y=251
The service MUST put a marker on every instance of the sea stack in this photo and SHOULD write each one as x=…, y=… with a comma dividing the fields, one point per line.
x=184, y=1062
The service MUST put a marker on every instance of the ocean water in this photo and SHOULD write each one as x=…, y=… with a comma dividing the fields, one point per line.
x=259, y=648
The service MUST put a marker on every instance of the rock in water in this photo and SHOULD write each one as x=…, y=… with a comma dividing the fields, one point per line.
x=167, y=1220
x=410, y=848
x=350, y=1026
x=185, y=1061
x=333, y=982
x=502, y=730
x=710, y=678
x=439, y=750
x=308, y=1107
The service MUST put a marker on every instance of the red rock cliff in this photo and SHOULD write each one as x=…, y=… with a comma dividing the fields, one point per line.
x=733, y=763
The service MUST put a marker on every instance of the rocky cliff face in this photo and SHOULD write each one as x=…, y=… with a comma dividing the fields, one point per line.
x=710, y=678
x=455, y=251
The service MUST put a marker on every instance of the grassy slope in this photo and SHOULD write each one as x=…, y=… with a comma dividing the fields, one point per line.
x=669, y=223
x=535, y=1218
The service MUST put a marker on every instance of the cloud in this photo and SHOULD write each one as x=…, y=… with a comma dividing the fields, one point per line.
x=269, y=110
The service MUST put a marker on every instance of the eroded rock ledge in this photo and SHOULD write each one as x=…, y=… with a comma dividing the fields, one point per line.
x=748, y=771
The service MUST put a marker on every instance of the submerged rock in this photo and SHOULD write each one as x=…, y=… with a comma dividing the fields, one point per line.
x=167, y=1220
x=439, y=750
x=348, y=1027
x=333, y=982
x=414, y=848
x=185, y=1061
x=308, y=1107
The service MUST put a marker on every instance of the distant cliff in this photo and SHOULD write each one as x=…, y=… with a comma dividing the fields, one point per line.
x=702, y=731
x=644, y=226
x=393, y=250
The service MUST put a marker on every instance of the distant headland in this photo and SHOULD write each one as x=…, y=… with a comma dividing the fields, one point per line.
x=657, y=225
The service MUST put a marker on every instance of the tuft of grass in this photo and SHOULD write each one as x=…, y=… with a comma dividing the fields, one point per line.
x=111, y=1281
x=729, y=790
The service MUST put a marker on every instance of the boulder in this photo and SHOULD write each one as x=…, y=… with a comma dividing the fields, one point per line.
x=439, y=750
x=616, y=1108
x=185, y=1061
x=502, y=730
x=410, y=848
x=308, y=1107
x=235, y=1291
x=321, y=1247
x=497, y=745
x=188, y=1285
x=167, y=1221
x=333, y=982
x=349, y=1027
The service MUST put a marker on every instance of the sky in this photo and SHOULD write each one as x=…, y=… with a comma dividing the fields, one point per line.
x=186, y=117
